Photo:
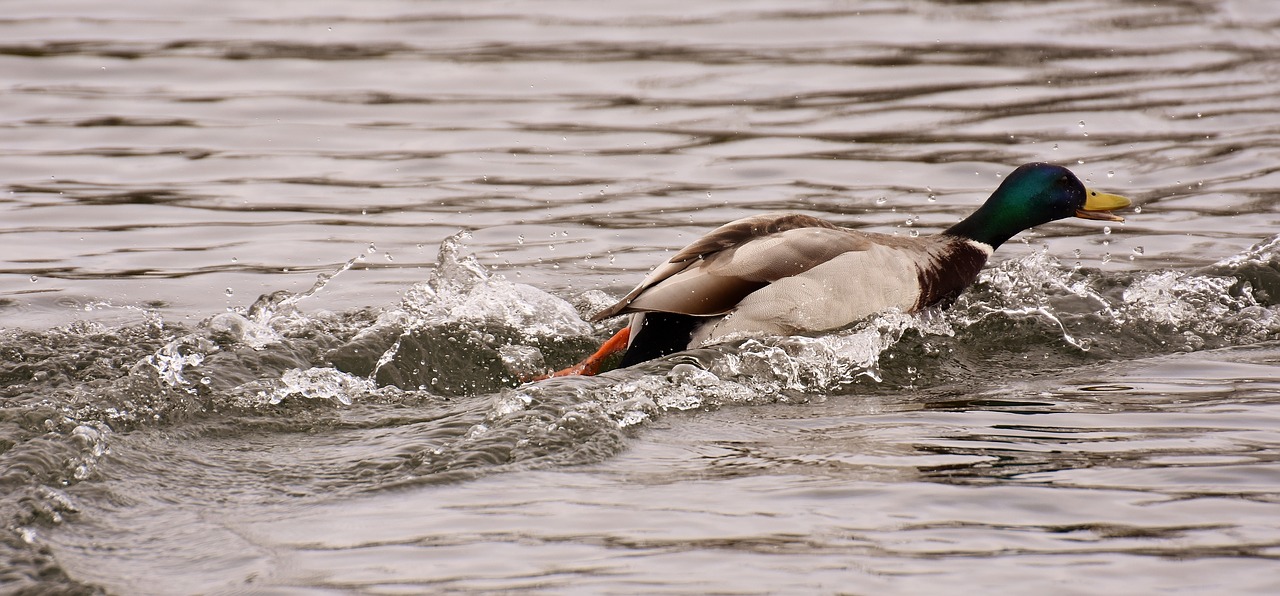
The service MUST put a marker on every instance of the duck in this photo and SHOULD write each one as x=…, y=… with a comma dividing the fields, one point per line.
x=791, y=273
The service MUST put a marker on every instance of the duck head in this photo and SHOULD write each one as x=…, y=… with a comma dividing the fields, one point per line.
x=1034, y=194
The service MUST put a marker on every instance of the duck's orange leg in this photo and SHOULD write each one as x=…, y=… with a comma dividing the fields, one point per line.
x=592, y=364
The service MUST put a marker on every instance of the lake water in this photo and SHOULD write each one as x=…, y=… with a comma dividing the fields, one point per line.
x=246, y=348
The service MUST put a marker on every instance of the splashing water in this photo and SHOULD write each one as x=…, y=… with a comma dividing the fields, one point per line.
x=1170, y=298
x=176, y=357
x=464, y=331
x=461, y=290
x=751, y=371
x=319, y=383
x=828, y=363
x=1229, y=302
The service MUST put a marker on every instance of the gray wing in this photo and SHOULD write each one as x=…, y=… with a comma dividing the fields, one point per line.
x=714, y=273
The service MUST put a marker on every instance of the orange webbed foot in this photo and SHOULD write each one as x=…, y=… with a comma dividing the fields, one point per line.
x=591, y=365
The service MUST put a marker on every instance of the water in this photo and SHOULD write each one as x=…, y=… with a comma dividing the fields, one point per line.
x=246, y=349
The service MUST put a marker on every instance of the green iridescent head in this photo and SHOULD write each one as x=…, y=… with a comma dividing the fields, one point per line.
x=1034, y=194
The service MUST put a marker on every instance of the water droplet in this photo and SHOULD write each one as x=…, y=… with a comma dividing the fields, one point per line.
x=235, y=260
x=229, y=292
x=372, y=249
x=388, y=257
x=1137, y=209
x=1111, y=173
x=933, y=198
x=1106, y=229
x=520, y=239
x=915, y=233
x=1055, y=146
x=1076, y=252
x=1106, y=257
x=881, y=201
x=33, y=279
x=1082, y=124
x=1080, y=161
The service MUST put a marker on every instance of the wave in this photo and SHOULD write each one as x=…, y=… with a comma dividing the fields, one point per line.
x=439, y=373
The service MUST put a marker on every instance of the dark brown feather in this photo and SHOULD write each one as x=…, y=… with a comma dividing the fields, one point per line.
x=947, y=276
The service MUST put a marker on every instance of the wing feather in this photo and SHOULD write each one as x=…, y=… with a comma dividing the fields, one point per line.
x=714, y=273
x=741, y=231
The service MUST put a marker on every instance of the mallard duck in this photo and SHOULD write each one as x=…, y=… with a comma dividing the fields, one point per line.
x=789, y=273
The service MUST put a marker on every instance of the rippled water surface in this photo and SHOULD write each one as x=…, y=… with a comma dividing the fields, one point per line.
x=246, y=348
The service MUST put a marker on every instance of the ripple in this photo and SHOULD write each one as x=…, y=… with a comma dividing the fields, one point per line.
x=1075, y=409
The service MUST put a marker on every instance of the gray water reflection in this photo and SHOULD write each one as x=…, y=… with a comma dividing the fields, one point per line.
x=165, y=162
x=159, y=147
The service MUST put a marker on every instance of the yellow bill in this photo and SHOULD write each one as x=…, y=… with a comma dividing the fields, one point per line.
x=1098, y=205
